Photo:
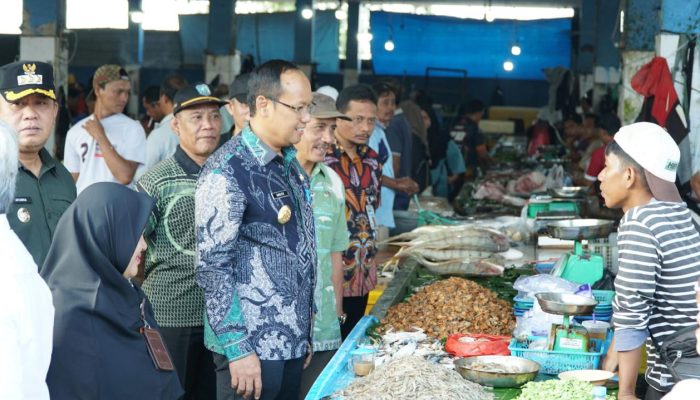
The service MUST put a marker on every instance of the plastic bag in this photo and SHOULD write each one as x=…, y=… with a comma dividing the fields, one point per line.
x=477, y=345
x=541, y=283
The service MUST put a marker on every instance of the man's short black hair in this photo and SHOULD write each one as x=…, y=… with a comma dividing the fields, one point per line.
x=171, y=85
x=594, y=117
x=359, y=92
x=572, y=117
x=626, y=161
x=472, y=107
x=265, y=81
x=382, y=89
x=151, y=94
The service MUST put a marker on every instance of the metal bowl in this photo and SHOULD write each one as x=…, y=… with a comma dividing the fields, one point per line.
x=565, y=303
x=569, y=192
x=580, y=229
x=525, y=371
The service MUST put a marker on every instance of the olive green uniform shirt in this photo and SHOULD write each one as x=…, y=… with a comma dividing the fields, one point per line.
x=39, y=204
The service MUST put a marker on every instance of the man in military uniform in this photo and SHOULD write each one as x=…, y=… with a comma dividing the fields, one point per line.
x=44, y=188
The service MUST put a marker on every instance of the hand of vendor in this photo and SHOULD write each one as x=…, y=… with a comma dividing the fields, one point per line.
x=407, y=185
x=610, y=361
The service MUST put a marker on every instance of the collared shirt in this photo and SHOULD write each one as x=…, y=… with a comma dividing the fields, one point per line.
x=26, y=322
x=170, y=284
x=362, y=178
x=379, y=143
x=39, y=204
x=257, y=266
x=161, y=143
x=331, y=237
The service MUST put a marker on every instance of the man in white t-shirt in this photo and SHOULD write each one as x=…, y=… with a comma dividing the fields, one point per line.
x=107, y=146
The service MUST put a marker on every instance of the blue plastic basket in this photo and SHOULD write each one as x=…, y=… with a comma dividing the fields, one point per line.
x=555, y=362
x=604, y=297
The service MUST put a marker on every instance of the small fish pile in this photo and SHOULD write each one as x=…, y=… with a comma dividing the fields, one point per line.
x=414, y=343
x=453, y=249
x=453, y=305
x=413, y=378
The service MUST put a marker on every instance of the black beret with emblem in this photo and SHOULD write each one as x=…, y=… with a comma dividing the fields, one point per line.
x=194, y=95
x=22, y=78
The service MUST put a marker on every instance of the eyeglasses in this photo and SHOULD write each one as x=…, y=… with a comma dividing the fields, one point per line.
x=300, y=110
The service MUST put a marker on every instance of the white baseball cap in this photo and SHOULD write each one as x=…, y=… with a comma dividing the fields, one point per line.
x=654, y=150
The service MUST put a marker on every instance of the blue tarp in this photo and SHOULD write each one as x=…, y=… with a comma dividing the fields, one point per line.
x=479, y=47
x=265, y=36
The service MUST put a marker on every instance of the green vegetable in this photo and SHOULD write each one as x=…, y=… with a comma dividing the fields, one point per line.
x=558, y=390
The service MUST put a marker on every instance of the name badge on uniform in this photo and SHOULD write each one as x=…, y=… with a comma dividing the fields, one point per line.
x=371, y=217
x=23, y=200
x=280, y=194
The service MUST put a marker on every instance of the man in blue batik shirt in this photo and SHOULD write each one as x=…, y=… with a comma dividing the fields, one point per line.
x=256, y=254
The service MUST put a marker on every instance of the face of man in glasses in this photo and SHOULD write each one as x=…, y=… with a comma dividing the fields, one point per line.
x=287, y=124
x=364, y=116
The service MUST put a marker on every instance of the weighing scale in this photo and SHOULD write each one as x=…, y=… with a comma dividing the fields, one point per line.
x=560, y=203
x=564, y=336
x=580, y=266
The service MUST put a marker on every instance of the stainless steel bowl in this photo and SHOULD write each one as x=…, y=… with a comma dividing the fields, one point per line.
x=564, y=303
x=580, y=229
x=525, y=371
x=569, y=192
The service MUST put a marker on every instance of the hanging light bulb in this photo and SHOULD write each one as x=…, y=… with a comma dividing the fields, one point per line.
x=136, y=17
x=307, y=13
x=340, y=14
x=389, y=45
x=508, y=66
x=515, y=50
x=488, y=15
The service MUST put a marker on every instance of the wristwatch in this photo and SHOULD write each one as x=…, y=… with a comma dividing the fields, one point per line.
x=342, y=318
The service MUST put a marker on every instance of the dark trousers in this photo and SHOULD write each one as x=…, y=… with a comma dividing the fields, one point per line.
x=354, y=307
x=318, y=363
x=280, y=379
x=653, y=394
x=193, y=362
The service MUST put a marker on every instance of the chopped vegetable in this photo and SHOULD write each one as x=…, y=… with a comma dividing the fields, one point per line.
x=558, y=390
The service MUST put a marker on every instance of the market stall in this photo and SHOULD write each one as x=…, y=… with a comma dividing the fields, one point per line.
x=429, y=316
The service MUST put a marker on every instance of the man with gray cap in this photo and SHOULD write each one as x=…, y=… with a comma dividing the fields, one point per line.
x=331, y=233
x=659, y=254
x=238, y=104
x=45, y=188
x=107, y=146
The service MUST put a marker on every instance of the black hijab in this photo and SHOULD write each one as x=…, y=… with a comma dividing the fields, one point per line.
x=98, y=351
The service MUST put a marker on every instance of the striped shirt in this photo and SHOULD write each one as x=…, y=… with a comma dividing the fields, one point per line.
x=659, y=258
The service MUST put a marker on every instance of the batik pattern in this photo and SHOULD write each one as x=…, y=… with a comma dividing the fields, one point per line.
x=258, y=274
x=361, y=177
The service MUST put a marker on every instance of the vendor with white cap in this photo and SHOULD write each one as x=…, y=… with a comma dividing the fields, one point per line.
x=659, y=254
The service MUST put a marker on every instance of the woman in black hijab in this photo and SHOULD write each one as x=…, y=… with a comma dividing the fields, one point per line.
x=99, y=352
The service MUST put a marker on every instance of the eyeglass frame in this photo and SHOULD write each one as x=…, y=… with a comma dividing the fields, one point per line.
x=299, y=110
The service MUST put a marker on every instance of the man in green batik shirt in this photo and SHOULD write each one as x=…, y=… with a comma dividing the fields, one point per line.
x=170, y=284
x=331, y=234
